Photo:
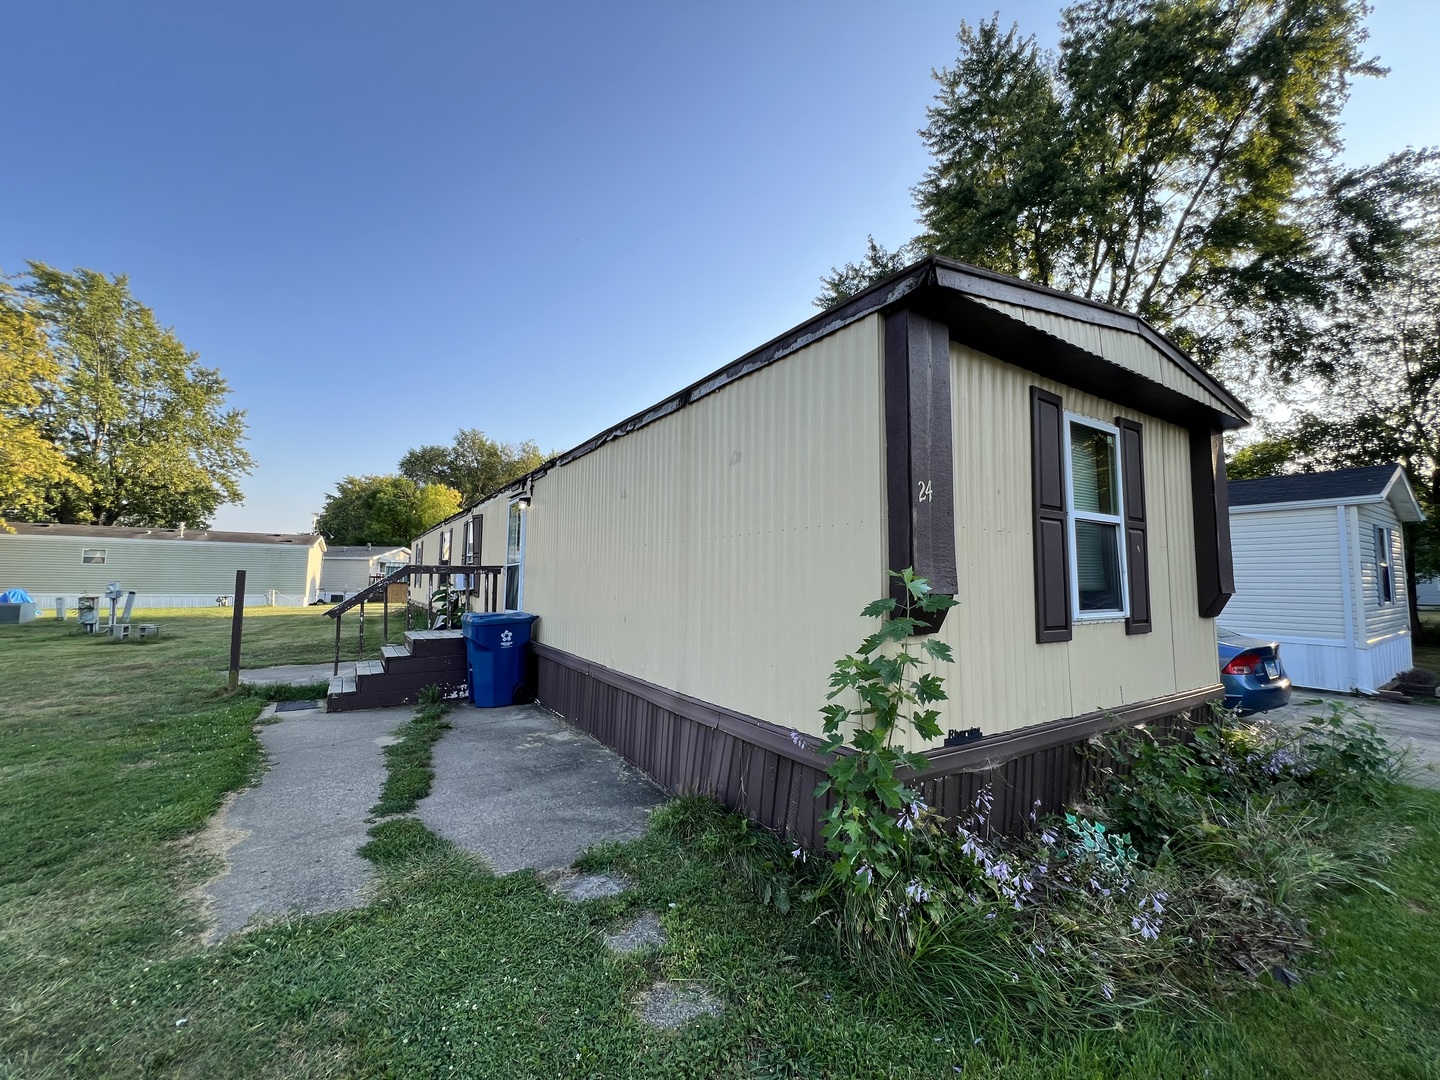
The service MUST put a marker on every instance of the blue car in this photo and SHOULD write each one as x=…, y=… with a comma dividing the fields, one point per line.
x=1252, y=673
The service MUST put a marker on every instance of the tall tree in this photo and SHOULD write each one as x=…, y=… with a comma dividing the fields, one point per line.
x=1366, y=391
x=137, y=416
x=384, y=510
x=1158, y=161
x=31, y=465
x=472, y=464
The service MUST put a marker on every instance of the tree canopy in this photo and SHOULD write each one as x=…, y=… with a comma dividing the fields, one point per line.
x=1172, y=157
x=142, y=426
x=390, y=510
x=31, y=465
x=474, y=465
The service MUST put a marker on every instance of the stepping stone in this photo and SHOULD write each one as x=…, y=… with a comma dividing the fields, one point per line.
x=668, y=1005
x=640, y=935
x=581, y=887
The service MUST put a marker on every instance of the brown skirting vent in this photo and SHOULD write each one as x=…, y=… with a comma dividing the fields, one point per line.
x=755, y=768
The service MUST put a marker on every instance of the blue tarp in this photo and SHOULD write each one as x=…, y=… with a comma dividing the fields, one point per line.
x=15, y=596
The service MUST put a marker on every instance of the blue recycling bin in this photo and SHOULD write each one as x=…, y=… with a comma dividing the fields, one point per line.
x=496, y=644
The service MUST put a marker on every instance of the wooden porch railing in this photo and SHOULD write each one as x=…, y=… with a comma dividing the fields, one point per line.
x=479, y=582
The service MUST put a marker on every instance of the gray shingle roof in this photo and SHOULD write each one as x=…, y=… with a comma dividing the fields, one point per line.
x=1369, y=481
x=361, y=551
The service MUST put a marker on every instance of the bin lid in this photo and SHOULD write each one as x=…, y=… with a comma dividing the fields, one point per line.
x=16, y=596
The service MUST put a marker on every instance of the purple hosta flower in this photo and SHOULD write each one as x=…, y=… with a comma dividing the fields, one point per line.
x=865, y=874
x=1041, y=869
x=1108, y=991
x=1282, y=759
x=800, y=855
x=797, y=739
x=990, y=915
x=1047, y=837
x=910, y=815
x=1040, y=948
x=916, y=892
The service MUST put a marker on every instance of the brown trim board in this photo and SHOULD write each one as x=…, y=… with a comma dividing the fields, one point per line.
x=919, y=461
x=755, y=768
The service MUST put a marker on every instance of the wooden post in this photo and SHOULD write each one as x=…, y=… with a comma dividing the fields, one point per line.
x=336, y=671
x=385, y=618
x=362, y=631
x=235, y=623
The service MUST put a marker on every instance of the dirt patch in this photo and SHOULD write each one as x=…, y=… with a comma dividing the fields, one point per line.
x=208, y=847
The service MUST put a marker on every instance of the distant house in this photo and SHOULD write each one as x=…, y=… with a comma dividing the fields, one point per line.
x=1428, y=592
x=1320, y=568
x=165, y=567
x=697, y=568
x=347, y=570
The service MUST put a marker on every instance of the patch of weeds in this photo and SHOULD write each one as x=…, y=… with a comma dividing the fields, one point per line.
x=279, y=692
x=409, y=761
x=395, y=843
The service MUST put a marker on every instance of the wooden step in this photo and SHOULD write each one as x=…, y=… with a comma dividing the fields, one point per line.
x=370, y=667
x=434, y=642
x=411, y=680
x=398, y=660
x=371, y=699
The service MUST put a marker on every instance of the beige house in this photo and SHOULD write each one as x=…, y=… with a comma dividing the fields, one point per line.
x=1051, y=462
x=165, y=567
x=348, y=569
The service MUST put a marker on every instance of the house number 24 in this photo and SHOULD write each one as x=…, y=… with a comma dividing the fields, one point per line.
x=927, y=491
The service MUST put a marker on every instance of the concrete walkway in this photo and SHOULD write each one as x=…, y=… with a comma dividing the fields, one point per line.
x=1412, y=727
x=522, y=789
x=294, y=674
x=291, y=842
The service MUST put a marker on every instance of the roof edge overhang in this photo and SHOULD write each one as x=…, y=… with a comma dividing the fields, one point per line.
x=943, y=288
x=1397, y=492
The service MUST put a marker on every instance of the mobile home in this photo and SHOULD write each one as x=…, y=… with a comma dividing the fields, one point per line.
x=165, y=567
x=1053, y=463
x=1320, y=568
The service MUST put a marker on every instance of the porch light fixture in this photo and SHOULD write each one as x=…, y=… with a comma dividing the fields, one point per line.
x=523, y=502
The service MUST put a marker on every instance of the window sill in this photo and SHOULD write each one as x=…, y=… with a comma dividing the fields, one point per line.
x=1105, y=617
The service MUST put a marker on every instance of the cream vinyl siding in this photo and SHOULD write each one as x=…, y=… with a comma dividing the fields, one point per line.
x=1382, y=620
x=50, y=566
x=1002, y=678
x=1118, y=346
x=1289, y=573
x=725, y=551
x=344, y=575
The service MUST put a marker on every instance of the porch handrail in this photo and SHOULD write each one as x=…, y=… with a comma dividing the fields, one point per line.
x=375, y=589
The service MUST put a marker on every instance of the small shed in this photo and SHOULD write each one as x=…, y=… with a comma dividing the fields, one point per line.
x=165, y=567
x=348, y=569
x=1320, y=568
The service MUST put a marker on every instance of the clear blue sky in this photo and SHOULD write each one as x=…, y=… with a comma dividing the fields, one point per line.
x=386, y=221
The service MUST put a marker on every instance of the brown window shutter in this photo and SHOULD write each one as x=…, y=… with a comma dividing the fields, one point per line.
x=1052, y=551
x=1137, y=548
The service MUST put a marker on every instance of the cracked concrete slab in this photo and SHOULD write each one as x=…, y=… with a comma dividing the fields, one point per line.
x=290, y=842
x=294, y=674
x=524, y=790
x=668, y=1005
x=643, y=934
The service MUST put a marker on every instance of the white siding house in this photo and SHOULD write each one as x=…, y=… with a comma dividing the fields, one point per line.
x=1320, y=568
x=165, y=567
x=1428, y=592
x=347, y=570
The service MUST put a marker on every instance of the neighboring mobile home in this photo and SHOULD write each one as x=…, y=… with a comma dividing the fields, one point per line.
x=1052, y=462
x=1320, y=568
x=346, y=570
x=165, y=567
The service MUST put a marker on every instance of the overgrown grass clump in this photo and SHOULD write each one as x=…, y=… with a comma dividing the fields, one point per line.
x=409, y=761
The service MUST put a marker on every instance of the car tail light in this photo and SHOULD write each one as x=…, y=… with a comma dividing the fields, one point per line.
x=1244, y=664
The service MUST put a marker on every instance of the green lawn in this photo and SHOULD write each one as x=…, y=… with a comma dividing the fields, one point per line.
x=111, y=754
x=1428, y=655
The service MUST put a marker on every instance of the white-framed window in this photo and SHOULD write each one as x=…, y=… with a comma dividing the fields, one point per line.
x=1385, y=565
x=93, y=556
x=470, y=542
x=515, y=556
x=1096, y=525
x=445, y=546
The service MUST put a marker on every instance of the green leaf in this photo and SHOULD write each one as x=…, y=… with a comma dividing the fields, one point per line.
x=879, y=608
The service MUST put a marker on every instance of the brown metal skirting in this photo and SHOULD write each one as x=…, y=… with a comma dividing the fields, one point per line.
x=754, y=767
